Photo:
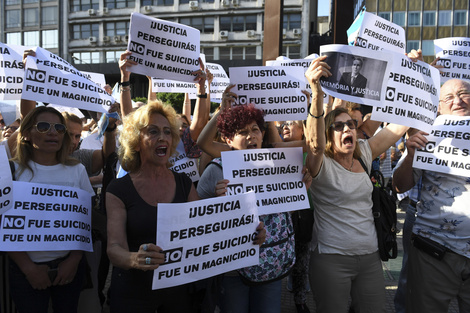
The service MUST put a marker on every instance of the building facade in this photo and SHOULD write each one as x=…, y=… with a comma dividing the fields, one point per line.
x=92, y=34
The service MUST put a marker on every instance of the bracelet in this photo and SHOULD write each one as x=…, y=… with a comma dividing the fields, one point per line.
x=204, y=95
x=128, y=88
x=111, y=129
x=321, y=115
x=125, y=84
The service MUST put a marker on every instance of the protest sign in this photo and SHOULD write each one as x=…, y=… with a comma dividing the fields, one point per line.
x=358, y=75
x=168, y=85
x=97, y=78
x=273, y=89
x=219, y=83
x=11, y=71
x=275, y=175
x=47, y=218
x=448, y=147
x=377, y=33
x=51, y=79
x=303, y=63
x=205, y=238
x=163, y=49
x=182, y=164
x=454, y=56
x=412, y=95
x=6, y=182
x=9, y=110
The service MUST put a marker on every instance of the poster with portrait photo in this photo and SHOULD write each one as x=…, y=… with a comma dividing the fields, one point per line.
x=358, y=75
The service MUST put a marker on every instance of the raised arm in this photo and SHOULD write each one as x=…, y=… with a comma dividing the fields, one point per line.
x=151, y=96
x=315, y=130
x=386, y=138
x=201, y=110
x=125, y=98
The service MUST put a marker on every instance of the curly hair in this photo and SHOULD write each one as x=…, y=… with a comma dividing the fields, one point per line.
x=237, y=117
x=133, y=125
x=329, y=120
x=24, y=148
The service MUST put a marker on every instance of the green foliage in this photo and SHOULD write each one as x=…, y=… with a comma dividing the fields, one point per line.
x=141, y=99
x=175, y=99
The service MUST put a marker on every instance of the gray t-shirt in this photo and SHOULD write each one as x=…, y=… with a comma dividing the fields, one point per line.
x=85, y=156
x=206, y=185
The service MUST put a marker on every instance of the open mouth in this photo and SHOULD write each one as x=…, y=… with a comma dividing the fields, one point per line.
x=252, y=146
x=348, y=140
x=161, y=151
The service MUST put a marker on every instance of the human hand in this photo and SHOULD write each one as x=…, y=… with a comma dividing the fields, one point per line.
x=307, y=178
x=66, y=271
x=149, y=257
x=221, y=187
x=416, y=55
x=261, y=236
x=228, y=98
x=317, y=69
x=27, y=53
x=210, y=76
x=37, y=277
x=124, y=64
x=200, y=74
x=416, y=141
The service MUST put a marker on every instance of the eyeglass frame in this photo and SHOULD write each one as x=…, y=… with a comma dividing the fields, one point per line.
x=50, y=126
x=459, y=95
x=333, y=125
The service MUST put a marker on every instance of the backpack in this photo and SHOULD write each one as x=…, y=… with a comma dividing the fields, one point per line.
x=384, y=211
x=277, y=253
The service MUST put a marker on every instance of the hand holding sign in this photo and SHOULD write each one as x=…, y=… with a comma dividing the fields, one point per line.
x=416, y=141
x=124, y=64
x=149, y=257
x=317, y=69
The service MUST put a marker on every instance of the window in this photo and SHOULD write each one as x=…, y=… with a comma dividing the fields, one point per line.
x=428, y=47
x=14, y=38
x=113, y=56
x=31, y=38
x=12, y=2
x=412, y=44
x=85, y=31
x=414, y=18
x=84, y=5
x=204, y=24
x=50, y=39
x=86, y=57
x=208, y=52
x=158, y=2
x=460, y=18
x=30, y=1
x=203, y=1
x=292, y=52
x=291, y=21
x=116, y=28
x=31, y=17
x=385, y=15
x=429, y=18
x=444, y=18
x=13, y=18
x=119, y=4
x=236, y=53
x=399, y=18
x=238, y=23
x=49, y=16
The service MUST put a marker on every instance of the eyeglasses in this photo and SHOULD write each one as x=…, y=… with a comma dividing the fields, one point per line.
x=44, y=127
x=462, y=95
x=287, y=124
x=339, y=126
x=13, y=128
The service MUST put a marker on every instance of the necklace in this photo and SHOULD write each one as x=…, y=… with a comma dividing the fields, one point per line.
x=352, y=163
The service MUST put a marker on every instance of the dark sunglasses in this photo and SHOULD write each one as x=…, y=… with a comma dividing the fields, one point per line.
x=13, y=128
x=44, y=127
x=339, y=126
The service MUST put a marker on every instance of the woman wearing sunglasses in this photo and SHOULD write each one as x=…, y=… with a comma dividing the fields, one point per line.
x=344, y=259
x=42, y=157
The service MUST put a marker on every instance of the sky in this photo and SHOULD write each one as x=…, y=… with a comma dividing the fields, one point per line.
x=323, y=7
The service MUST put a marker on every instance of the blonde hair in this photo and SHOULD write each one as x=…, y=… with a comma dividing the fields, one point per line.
x=329, y=120
x=24, y=148
x=133, y=125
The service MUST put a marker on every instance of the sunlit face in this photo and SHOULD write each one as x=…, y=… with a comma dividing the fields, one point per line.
x=455, y=98
x=10, y=129
x=344, y=142
x=183, y=126
x=356, y=67
x=291, y=131
x=155, y=141
x=75, y=133
x=49, y=142
x=357, y=115
x=249, y=137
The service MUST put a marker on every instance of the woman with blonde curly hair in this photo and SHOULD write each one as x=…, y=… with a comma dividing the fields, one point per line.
x=36, y=277
x=148, y=139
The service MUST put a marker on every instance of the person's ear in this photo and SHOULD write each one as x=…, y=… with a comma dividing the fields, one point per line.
x=228, y=141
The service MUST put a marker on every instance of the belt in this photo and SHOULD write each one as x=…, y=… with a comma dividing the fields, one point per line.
x=413, y=203
x=54, y=263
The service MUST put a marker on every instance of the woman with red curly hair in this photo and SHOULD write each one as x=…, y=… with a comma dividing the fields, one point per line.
x=256, y=288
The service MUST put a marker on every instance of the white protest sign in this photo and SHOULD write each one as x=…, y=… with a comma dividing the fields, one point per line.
x=47, y=218
x=182, y=164
x=412, y=95
x=377, y=33
x=11, y=71
x=205, y=238
x=9, y=110
x=303, y=63
x=275, y=175
x=358, y=75
x=168, y=85
x=454, y=56
x=50, y=79
x=163, y=49
x=448, y=147
x=219, y=83
x=275, y=90
x=97, y=78
x=61, y=109
x=6, y=182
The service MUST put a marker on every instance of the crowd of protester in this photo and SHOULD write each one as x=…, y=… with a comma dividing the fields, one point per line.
x=338, y=259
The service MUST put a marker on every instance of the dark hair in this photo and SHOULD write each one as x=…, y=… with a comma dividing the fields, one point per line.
x=237, y=117
x=329, y=119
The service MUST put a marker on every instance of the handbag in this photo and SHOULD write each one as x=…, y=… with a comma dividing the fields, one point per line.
x=384, y=211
